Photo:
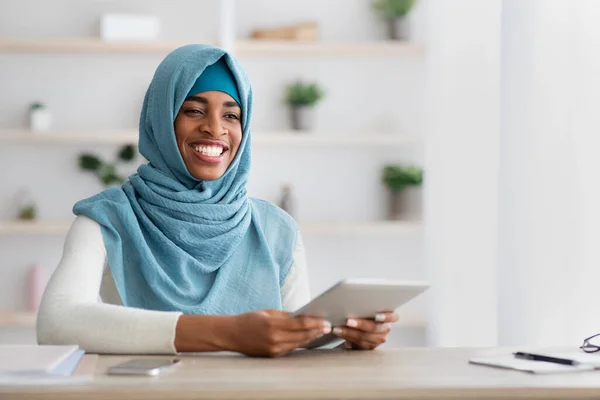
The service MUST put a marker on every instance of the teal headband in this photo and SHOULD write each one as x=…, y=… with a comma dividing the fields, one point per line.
x=217, y=76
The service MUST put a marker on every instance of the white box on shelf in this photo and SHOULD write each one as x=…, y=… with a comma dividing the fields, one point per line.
x=115, y=27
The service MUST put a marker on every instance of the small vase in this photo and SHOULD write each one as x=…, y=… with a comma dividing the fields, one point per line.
x=303, y=118
x=406, y=204
x=40, y=120
x=398, y=29
x=287, y=201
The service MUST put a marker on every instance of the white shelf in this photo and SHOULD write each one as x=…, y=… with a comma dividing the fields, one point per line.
x=28, y=137
x=278, y=138
x=16, y=319
x=60, y=228
x=361, y=228
x=323, y=49
x=83, y=45
x=243, y=48
x=319, y=139
x=32, y=228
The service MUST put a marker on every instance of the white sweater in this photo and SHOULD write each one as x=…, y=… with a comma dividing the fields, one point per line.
x=81, y=304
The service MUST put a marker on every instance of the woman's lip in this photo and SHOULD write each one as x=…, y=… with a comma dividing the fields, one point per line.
x=209, y=142
x=208, y=159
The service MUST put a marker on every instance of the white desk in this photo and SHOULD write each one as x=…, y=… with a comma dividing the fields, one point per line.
x=399, y=374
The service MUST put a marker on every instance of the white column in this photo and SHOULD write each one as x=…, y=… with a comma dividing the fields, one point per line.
x=461, y=166
x=549, y=223
x=227, y=25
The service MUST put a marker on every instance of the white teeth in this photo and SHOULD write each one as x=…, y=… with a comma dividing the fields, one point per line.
x=209, y=150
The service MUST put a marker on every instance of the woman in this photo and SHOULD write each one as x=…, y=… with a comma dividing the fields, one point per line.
x=181, y=259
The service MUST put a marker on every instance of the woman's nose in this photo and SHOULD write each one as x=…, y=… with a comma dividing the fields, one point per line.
x=213, y=125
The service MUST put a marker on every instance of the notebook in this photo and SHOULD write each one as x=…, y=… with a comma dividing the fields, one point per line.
x=75, y=369
x=70, y=364
x=588, y=362
x=35, y=359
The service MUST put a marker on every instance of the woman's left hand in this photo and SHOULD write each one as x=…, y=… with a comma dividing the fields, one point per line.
x=366, y=334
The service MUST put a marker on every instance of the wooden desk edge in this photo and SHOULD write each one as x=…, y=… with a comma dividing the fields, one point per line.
x=149, y=393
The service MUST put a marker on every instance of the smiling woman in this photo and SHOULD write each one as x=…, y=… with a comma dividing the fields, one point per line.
x=180, y=257
x=209, y=133
x=208, y=126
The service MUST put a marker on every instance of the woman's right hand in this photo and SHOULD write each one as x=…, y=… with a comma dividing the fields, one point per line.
x=272, y=333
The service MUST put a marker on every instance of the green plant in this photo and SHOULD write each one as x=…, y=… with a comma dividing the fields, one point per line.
x=397, y=177
x=303, y=94
x=105, y=171
x=392, y=9
x=36, y=106
x=27, y=212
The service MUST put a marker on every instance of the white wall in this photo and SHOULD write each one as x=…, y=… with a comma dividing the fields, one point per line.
x=549, y=193
x=102, y=92
x=461, y=163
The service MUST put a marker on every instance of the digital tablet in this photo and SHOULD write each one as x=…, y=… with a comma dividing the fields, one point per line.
x=358, y=298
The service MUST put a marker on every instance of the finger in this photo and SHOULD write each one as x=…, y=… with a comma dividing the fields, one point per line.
x=302, y=337
x=306, y=323
x=360, y=338
x=367, y=325
x=386, y=316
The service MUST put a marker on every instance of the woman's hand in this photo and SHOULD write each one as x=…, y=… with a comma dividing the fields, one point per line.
x=366, y=334
x=272, y=333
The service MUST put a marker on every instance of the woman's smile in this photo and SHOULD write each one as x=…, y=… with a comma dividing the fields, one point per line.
x=209, y=151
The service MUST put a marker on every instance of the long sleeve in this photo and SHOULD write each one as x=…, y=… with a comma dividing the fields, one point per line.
x=71, y=313
x=295, y=291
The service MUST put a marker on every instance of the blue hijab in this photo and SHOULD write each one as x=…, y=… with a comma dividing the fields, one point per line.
x=175, y=243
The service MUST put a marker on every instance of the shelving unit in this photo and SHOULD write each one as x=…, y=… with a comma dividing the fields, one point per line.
x=246, y=48
x=273, y=138
x=60, y=228
x=328, y=53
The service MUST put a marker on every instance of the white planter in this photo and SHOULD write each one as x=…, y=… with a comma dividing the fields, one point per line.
x=398, y=29
x=40, y=120
x=407, y=204
x=303, y=118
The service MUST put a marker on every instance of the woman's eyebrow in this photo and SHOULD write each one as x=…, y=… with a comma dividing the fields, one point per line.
x=231, y=104
x=204, y=100
x=199, y=99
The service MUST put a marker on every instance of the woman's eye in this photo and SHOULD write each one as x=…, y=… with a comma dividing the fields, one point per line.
x=194, y=111
x=231, y=116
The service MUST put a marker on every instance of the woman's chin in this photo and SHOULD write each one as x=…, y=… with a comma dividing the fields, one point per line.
x=204, y=175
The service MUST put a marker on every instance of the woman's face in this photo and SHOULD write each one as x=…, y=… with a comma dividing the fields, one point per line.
x=208, y=129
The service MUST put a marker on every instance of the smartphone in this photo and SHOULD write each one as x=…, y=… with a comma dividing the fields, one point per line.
x=142, y=366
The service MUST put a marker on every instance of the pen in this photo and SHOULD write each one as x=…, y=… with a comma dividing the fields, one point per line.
x=539, y=357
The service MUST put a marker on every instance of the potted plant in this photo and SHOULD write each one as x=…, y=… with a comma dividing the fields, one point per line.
x=25, y=206
x=302, y=98
x=404, y=185
x=106, y=171
x=27, y=212
x=394, y=12
x=40, y=118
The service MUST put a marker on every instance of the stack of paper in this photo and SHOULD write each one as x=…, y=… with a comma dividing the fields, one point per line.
x=36, y=360
x=587, y=362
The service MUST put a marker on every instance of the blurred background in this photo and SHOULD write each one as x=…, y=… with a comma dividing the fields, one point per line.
x=451, y=141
